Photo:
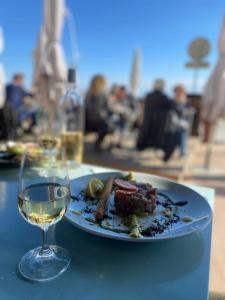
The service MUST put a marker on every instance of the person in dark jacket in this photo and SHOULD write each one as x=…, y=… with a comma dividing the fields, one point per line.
x=7, y=123
x=97, y=110
x=158, y=129
x=15, y=92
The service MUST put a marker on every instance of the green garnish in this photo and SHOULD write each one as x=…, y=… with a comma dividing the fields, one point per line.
x=76, y=212
x=129, y=176
x=133, y=225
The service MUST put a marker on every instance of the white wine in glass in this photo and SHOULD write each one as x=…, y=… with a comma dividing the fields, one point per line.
x=72, y=142
x=43, y=197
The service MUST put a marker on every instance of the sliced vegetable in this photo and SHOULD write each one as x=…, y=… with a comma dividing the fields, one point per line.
x=125, y=185
x=94, y=188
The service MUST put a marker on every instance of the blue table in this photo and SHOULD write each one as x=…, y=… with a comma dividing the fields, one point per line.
x=102, y=269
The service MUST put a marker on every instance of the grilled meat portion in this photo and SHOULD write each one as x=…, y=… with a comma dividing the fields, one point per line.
x=137, y=202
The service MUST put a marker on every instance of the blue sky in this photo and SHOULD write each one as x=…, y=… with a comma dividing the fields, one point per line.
x=109, y=31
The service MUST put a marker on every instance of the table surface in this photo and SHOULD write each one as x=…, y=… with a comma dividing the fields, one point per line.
x=102, y=268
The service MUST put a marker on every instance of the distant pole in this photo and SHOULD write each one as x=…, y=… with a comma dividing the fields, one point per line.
x=195, y=80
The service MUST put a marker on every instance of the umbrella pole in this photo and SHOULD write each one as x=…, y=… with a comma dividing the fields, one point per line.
x=209, y=146
x=208, y=155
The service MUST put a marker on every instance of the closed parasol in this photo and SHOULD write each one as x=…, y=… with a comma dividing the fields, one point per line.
x=49, y=63
x=213, y=104
x=135, y=72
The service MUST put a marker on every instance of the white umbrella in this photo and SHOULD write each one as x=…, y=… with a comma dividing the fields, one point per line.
x=41, y=72
x=213, y=104
x=135, y=72
x=49, y=64
x=2, y=74
x=39, y=58
x=54, y=15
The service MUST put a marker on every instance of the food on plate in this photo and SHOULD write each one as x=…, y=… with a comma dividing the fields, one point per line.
x=103, y=198
x=129, y=176
x=94, y=188
x=133, y=225
x=17, y=148
x=125, y=185
x=187, y=219
x=76, y=212
x=128, y=207
x=137, y=198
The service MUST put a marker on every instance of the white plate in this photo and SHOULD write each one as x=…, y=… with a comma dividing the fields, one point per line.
x=197, y=207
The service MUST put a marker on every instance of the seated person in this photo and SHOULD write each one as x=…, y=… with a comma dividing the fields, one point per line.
x=7, y=123
x=121, y=112
x=97, y=111
x=15, y=95
x=158, y=130
x=181, y=105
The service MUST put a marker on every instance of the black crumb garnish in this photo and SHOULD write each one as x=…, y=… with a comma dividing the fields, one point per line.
x=107, y=217
x=159, y=227
x=89, y=210
x=79, y=197
x=156, y=221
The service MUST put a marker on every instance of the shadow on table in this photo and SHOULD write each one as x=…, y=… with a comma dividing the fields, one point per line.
x=99, y=263
x=124, y=261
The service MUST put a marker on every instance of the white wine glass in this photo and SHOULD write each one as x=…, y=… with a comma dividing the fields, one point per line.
x=43, y=198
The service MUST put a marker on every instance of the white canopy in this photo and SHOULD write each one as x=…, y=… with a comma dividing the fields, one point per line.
x=214, y=93
x=2, y=73
x=135, y=72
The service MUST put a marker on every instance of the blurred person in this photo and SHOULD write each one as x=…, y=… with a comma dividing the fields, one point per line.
x=158, y=129
x=180, y=99
x=15, y=99
x=113, y=91
x=120, y=112
x=97, y=110
x=7, y=123
x=15, y=92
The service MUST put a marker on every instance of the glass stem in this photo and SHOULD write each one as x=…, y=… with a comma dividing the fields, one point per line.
x=45, y=250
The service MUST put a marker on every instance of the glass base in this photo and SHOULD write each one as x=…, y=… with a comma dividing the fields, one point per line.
x=38, y=265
